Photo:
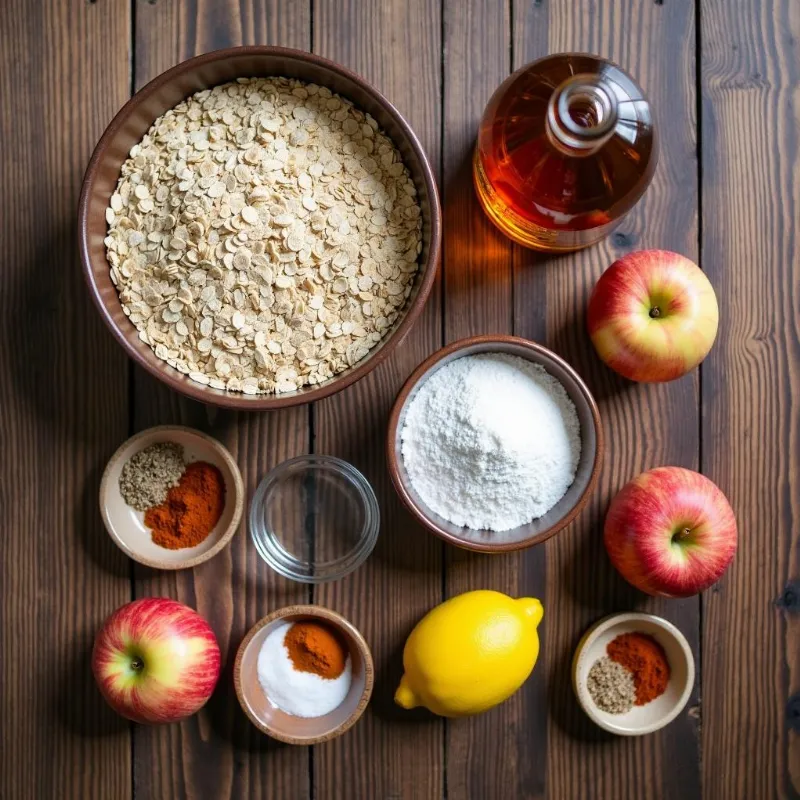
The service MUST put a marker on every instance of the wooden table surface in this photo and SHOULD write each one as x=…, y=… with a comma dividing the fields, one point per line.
x=724, y=78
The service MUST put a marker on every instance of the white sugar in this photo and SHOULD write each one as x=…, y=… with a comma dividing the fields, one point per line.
x=302, y=694
x=491, y=441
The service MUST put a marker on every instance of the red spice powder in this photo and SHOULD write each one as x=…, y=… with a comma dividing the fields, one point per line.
x=316, y=648
x=646, y=659
x=191, y=510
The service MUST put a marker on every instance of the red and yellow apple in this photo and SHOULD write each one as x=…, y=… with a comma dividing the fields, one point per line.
x=653, y=316
x=671, y=532
x=156, y=660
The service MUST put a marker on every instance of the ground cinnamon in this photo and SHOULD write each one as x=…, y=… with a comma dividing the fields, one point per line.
x=191, y=510
x=646, y=659
x=316, y=648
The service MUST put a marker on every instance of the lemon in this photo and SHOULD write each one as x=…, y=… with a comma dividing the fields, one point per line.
x=470, y=653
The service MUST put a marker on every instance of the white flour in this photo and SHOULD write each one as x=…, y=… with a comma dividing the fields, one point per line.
x=491, y=441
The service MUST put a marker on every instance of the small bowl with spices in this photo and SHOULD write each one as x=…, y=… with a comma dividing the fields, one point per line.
x=171, y=497
x=303, y=675
x=633, y=673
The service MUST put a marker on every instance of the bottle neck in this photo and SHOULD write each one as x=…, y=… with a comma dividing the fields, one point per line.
x=582, y=114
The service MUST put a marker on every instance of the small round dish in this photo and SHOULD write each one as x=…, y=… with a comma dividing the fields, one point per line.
x=298, y=730
x=314, y=519
x=565, y=510
x=126, y=526
x=657, y=713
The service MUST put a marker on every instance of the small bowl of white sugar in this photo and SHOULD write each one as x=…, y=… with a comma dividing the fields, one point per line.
x=495, y=443
x=303, y=674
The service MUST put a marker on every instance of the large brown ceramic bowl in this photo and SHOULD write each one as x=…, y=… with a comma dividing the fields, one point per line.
x=165, y=92
x=565, y=510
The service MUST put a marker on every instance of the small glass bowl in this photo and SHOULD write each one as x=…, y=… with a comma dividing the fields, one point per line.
x=314, y=519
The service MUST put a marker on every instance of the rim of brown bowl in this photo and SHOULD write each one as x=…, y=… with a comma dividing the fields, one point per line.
x=160, y=369
x=335, y=619
x=238, y=487
x=393, y=457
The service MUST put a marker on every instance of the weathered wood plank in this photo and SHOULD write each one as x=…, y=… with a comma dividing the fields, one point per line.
x=63, y=405
x=390, y=753
x=219, y=753
x=484, y=757
x=645, y=426
x=751, y=393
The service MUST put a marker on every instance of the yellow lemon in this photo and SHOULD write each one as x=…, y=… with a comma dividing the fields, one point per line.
x=470, y=653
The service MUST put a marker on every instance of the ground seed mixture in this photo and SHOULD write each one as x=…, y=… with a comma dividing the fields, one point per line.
x=611, y=686
x=149, y=474
x=264, y=235
x=491, y=441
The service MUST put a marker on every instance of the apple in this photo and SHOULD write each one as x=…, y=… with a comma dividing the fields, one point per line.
x=156, y=660
x=671, y=532
x=653, y=316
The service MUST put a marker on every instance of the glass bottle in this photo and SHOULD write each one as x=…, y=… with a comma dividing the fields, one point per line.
x=565, y=148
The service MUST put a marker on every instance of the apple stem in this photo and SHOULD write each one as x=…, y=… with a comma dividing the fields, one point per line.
x=137, y=665
x=655, y=312
x=683, y=533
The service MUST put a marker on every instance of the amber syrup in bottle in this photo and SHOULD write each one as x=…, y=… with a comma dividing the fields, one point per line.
x=565, y=148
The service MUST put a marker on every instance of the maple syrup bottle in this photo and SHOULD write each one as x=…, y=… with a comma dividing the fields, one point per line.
x=565, y=148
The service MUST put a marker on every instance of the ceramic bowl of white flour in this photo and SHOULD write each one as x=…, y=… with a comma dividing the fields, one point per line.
x=495, y=443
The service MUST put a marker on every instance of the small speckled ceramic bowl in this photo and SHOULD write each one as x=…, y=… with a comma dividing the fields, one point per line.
x=657, y=713
x=298, y=730
x=126, y=526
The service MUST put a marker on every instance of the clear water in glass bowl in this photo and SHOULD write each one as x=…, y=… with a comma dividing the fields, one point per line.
x=314, y=518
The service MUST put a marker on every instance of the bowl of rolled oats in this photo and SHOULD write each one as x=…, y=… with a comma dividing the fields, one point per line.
x=259, y=227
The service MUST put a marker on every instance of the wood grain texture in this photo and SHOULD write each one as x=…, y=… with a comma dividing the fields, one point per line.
x=476, y=256
x=499, y=754
x=645, y=426
x=63, y=406
x=751, y=394
x=68, y=398
x=219, y=753
x=390, y=753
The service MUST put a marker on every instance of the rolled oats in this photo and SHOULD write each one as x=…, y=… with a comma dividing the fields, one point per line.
x=263, y=236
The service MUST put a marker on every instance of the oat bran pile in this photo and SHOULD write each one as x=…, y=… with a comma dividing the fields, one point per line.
x=264, y=235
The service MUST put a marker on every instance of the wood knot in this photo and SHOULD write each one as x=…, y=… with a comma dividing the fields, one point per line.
x=622, y=240
x=790, y=597
x=793, y=712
